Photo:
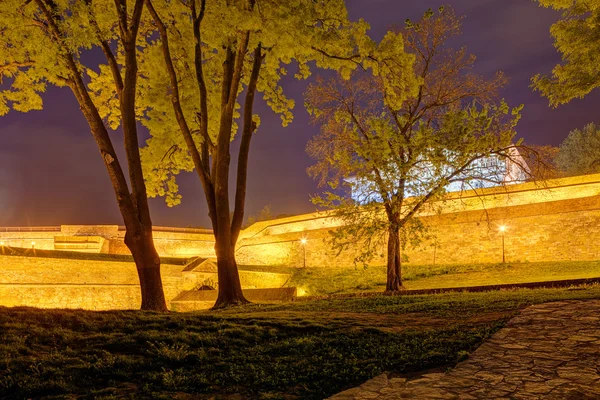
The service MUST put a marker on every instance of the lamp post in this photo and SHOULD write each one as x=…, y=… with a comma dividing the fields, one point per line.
x=502, y=229
x=303, y=243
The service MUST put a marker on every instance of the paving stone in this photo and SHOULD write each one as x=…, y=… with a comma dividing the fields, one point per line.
x=548, y=351
x=395, y=381
x=537, y=387
x=375, y=384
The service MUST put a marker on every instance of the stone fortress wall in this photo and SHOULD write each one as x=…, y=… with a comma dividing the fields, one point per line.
x=548, y=221
x=556, y=220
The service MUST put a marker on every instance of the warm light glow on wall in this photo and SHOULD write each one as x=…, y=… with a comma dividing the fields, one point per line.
x=502, y=228
x=303, y=241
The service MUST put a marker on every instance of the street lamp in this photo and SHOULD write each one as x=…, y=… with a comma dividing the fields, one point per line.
x=303, y=243
x=502, y=229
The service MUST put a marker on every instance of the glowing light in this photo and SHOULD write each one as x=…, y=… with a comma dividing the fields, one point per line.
x=32, y=244
x=1, y=242
x=502, y=228
x=303, y=241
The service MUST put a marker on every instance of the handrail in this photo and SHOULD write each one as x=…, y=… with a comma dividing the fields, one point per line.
x=30, y=229
x=175, y=229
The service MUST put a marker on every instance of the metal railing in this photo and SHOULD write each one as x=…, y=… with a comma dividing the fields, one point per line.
x=30, y=229
x=174, y=229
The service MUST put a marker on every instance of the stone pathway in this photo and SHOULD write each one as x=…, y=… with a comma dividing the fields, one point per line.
x=549, y=351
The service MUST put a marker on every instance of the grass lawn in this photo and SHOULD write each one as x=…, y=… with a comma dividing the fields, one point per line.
x=306, y=350
x=319, y=281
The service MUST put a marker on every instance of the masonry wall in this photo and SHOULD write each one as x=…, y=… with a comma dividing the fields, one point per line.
x=67, y=283
x=554, y=220
x=100, y=285
x=38, y=239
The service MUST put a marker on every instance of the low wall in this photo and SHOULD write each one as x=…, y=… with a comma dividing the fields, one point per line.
x=27, y=239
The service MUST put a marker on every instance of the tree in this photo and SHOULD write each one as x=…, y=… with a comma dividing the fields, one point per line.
x=579, y=153
x=577, y=38
x=401, y=155
x=41, y=43
x=263, y=215
x=541, y=161
x=202, y=75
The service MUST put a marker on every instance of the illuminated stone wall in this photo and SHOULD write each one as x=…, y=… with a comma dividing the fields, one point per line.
x=100, y=285
x=174, y=244
x=67, y=283
x=556, y=220
x=41, y=240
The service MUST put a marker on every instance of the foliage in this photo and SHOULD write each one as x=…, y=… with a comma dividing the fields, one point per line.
x=291, y=36
x=251, y=351
x=263, y=215
x=541, y=161
x=577, y=38
x=202, y=68
x=400, y=155
x=579, y=153
x=31, y=57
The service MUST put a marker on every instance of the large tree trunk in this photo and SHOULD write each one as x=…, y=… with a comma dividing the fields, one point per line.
x=394, y=263
x=133, y=206
x=147, y=263
x=230, y=287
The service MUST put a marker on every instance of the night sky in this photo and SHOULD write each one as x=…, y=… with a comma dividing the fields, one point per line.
x=51, y=172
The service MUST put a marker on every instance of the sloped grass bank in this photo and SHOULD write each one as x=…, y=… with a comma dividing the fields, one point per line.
x=307, y=350
x=320, y=281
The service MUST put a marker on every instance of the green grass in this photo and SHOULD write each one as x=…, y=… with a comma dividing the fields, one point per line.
x=319, y=281
x=306, y=350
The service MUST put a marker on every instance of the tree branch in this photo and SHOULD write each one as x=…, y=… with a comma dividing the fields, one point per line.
x=248, y=130
x=199, y=165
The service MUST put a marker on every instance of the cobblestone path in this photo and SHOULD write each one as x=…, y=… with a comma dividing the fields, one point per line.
x=548, y=351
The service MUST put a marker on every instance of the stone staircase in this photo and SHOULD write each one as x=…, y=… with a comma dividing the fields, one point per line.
x=84, y=244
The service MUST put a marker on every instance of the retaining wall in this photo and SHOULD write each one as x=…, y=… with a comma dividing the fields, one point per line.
x=549, y=221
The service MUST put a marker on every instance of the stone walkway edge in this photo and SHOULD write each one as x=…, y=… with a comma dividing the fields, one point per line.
x=549, y=351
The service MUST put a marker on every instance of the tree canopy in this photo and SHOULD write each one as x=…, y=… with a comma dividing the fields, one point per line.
x=199, y=77
x=291, y=37
x=579, y=153
x=577, y=38
x=400, y=155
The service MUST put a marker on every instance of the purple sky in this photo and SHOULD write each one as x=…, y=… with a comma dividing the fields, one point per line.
x=51, y=172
